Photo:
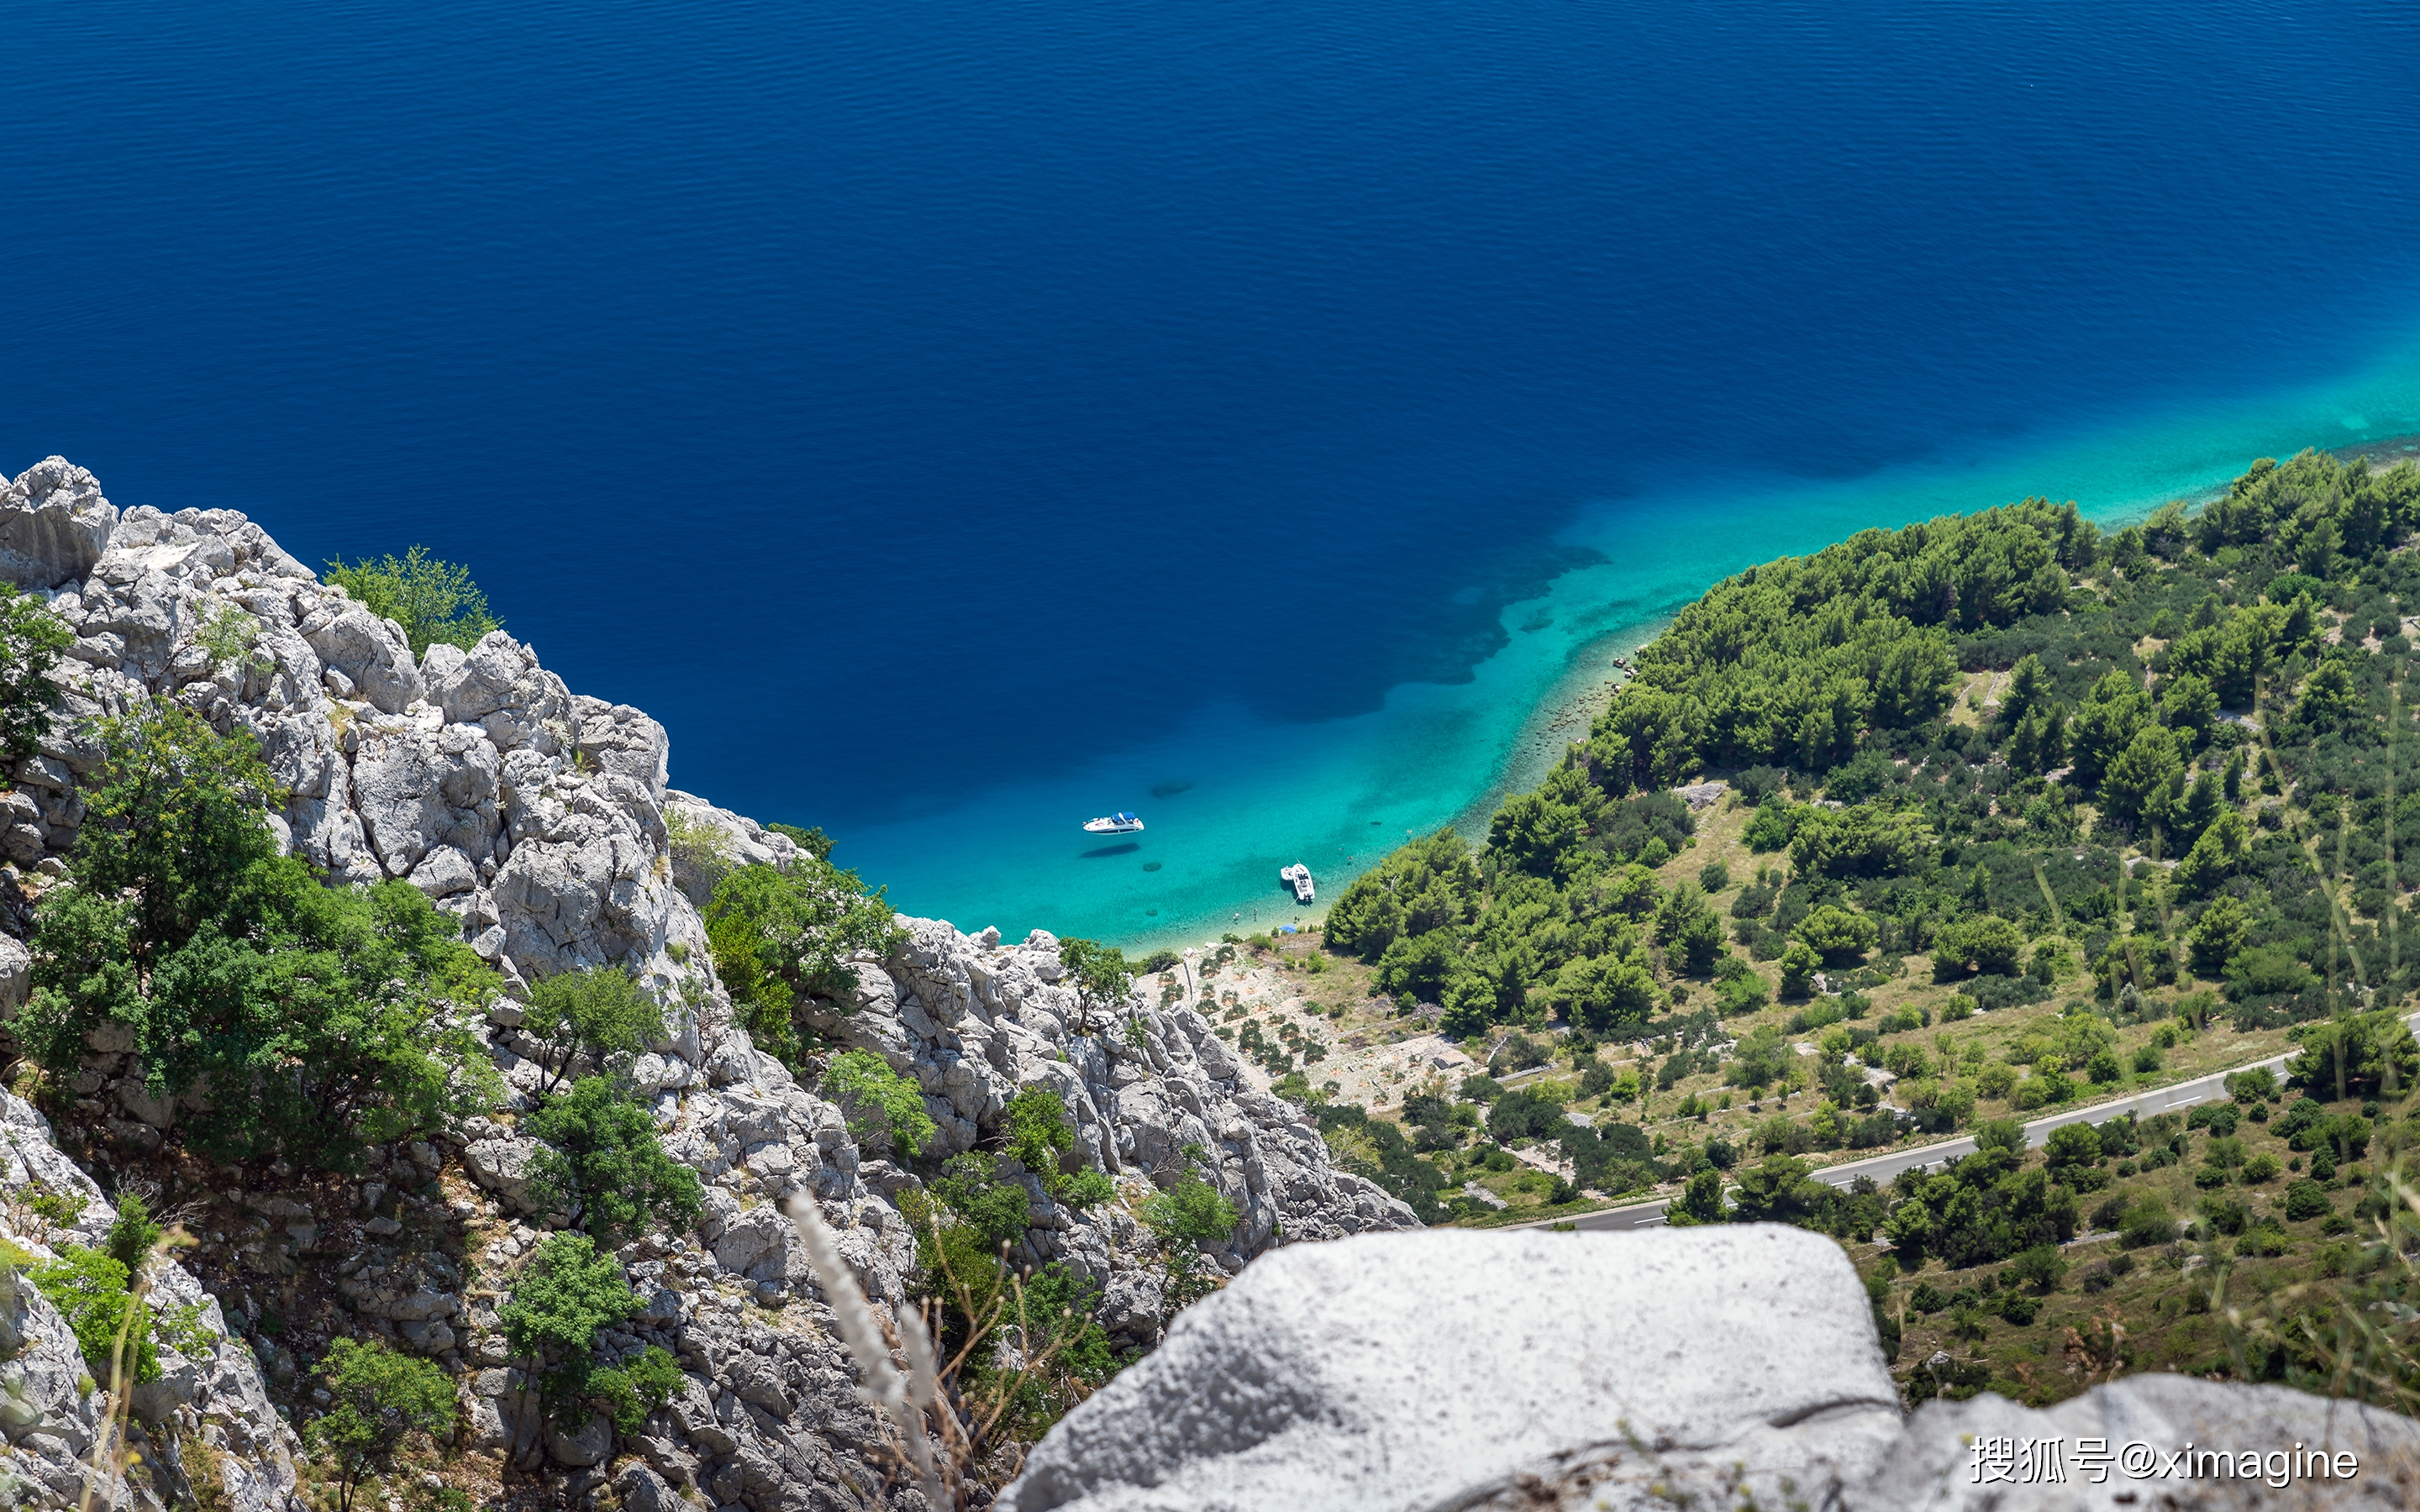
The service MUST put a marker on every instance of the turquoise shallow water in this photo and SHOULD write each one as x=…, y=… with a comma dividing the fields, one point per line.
x=1232, y=797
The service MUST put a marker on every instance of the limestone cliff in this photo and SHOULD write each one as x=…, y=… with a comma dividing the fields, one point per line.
x=538, y=817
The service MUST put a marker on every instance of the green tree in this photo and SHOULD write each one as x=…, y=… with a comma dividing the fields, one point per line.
x=565, y=1293
x=2360, y=1055
x=884, y=1108
x=1419, y=965
x=782, y=937
x=1840, y=937
x=600, y=1163
x=1700, y=1201
x=1604, y=992
x=1987, y=942
x=2220, y=853
x=436, y=602
x=2219, y=934
x=31, y=640
x=2189, y=704
x=1100, y=971
x=1691, y=935
x=2329, y=698
x=378, y=1399
x=600, y=1012
x=2030, y=689
x=320, y=1017
x=2150, y=763
x=1799, y=963
x=173, y=818
x=2041, y=1268
x=1781, y=1190
x=2106, y=726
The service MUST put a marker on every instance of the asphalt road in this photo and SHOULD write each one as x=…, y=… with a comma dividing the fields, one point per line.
x=1882, y=1167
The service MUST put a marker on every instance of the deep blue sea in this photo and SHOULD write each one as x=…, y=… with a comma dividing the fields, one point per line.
x=955, y=419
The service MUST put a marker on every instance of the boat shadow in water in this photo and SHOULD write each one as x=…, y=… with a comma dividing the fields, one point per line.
x=1128, y=849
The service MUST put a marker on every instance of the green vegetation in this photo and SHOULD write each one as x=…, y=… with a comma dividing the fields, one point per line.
x=1100, y=971
x=600, y=1163
x=436, y=602
x=31, y=640
x=885, y=1110
x=380, y=1398
x=568, y=1291
x=89, y=1288
x=782, y=938
x=2118, y=810
x=814, y=841
x=132, y=1234
x=599, y=1013
x=320, y=1017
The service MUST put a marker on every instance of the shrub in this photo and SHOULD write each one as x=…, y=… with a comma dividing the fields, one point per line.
x=600, y=1161
x=324, y=1019
x=132, y=1234
x=1041, y=1136
x=435, y=602
x=780, y=936
x=1839, y=936
x=810, y=839
x=2042, y=1268
x=1185, y=1216
x=89, y=1290
x=2306, y=1199
x=31, y=640
x=884, y=1108
x=598, y=1011
x=2148, y=1223
x=639, y=1385
x=380, y=1398
x=1714, y=876
x=564, y=1296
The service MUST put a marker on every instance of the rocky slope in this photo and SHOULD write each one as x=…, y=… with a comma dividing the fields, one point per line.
x=538, y=816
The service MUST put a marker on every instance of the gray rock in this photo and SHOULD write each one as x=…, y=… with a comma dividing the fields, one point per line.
x=370, y=652
x=16, y=975
x=594, y=1440
x=1436, y=1369
x=642, y=1489
x=53, y=524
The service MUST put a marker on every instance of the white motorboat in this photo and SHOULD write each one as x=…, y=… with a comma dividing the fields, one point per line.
x=1299, y=877
x=1116, y=823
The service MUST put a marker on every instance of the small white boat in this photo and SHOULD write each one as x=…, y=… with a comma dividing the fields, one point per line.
x=1299, y=877
x=1116, y=823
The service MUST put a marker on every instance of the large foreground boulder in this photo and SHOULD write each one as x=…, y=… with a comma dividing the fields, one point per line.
x=1721, y=1368
x=1448, y=1369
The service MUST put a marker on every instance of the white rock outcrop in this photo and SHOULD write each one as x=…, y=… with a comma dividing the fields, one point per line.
x=1447, y=1368
x=1728, y=1366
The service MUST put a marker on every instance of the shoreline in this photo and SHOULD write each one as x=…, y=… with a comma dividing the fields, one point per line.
x=1573, y=698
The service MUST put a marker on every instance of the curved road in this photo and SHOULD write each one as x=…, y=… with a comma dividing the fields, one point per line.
x=1882, y=1167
